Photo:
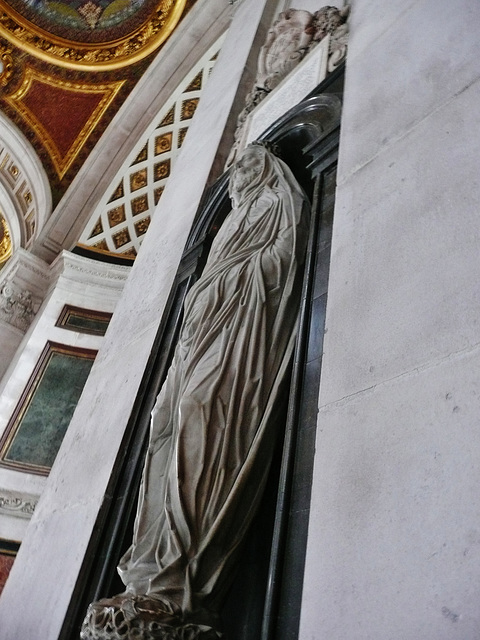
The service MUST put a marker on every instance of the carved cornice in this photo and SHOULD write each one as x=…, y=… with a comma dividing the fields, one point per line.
x=94, y=56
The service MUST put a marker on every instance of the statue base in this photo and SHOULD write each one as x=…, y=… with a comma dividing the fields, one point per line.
x=128, y=618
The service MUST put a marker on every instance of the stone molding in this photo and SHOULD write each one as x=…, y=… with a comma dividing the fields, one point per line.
x=17, y=504
x=94, y=272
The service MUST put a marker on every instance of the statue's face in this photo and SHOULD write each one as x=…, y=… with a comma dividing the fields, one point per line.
x=248, y=166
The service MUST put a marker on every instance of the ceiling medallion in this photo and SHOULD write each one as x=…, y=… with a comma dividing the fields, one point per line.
x=101, y=39
x=6, y=247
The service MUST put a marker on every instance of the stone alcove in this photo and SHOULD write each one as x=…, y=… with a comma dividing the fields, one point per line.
x=273, y=558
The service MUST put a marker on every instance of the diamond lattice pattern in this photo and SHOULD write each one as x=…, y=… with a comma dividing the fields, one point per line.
x=122, y=218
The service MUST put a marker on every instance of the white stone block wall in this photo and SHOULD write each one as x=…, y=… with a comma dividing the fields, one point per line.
x=394, y=539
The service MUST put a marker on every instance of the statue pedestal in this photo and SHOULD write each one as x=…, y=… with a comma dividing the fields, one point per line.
x=133, y=618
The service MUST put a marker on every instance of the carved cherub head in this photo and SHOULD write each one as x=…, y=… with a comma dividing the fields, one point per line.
x=327, y=20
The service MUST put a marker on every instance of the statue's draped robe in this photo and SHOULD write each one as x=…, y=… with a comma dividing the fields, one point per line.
x=212, y=432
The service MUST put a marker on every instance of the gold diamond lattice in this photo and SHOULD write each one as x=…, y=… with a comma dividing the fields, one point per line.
x=118, y=193
x=161, y=170
x=163, y=143
x=157, y=193
x=168, y=119
x=142, y=156
x=188, y=108
x=138, y=180
x=120, y=222
x=97, y=229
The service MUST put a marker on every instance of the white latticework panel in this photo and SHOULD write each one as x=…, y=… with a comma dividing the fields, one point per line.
x=121, y=219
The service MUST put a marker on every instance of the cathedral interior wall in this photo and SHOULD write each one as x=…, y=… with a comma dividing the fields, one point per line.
x=393, y=542
x=393, y=547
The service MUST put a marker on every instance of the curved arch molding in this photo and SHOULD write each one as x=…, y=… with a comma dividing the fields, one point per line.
x=24, y=188
x=85, y=55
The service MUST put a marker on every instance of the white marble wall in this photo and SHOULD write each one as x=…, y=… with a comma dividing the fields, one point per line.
x=70, y=280
x=394, y=542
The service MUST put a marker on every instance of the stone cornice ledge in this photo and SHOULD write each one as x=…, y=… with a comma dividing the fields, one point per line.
x=93, y=272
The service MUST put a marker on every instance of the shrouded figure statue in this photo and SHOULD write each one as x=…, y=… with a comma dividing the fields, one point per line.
x=212, y=432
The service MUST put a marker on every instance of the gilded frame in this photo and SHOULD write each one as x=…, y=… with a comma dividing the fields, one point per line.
x=88, y=315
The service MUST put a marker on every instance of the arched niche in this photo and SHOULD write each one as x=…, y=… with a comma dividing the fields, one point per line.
x=308, y=137
x=24, y=188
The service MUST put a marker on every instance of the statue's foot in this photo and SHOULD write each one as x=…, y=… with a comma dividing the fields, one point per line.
x=131, y=617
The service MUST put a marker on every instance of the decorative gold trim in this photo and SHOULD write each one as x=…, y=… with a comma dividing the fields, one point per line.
x=114, y=254
x=92, y=57
x=6, y=246
x=62, y=164
x=6, y=63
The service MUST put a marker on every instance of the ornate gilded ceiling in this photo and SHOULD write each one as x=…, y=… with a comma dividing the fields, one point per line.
x=89, y=34
x=66, y=66
x=5, y=241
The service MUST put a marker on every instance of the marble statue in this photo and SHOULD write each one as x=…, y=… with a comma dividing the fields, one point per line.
x=212, y=432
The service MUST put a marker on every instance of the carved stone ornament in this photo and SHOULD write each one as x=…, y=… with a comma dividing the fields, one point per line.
x=139, y=617
x=293, y=35
x=11, y=504
x=16, y=306
x=214, y=424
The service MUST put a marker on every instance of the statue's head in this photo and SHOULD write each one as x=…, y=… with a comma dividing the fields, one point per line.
x=258, y=166
x=249, y=166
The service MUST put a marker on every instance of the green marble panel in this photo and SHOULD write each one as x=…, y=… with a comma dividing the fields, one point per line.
x=45, y=420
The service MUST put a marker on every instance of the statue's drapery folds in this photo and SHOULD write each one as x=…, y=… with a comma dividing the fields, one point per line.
x=213, y=428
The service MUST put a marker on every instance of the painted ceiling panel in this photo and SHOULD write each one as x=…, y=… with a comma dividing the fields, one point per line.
x=63, y=114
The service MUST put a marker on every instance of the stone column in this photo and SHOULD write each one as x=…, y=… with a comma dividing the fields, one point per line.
x=40, y=587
